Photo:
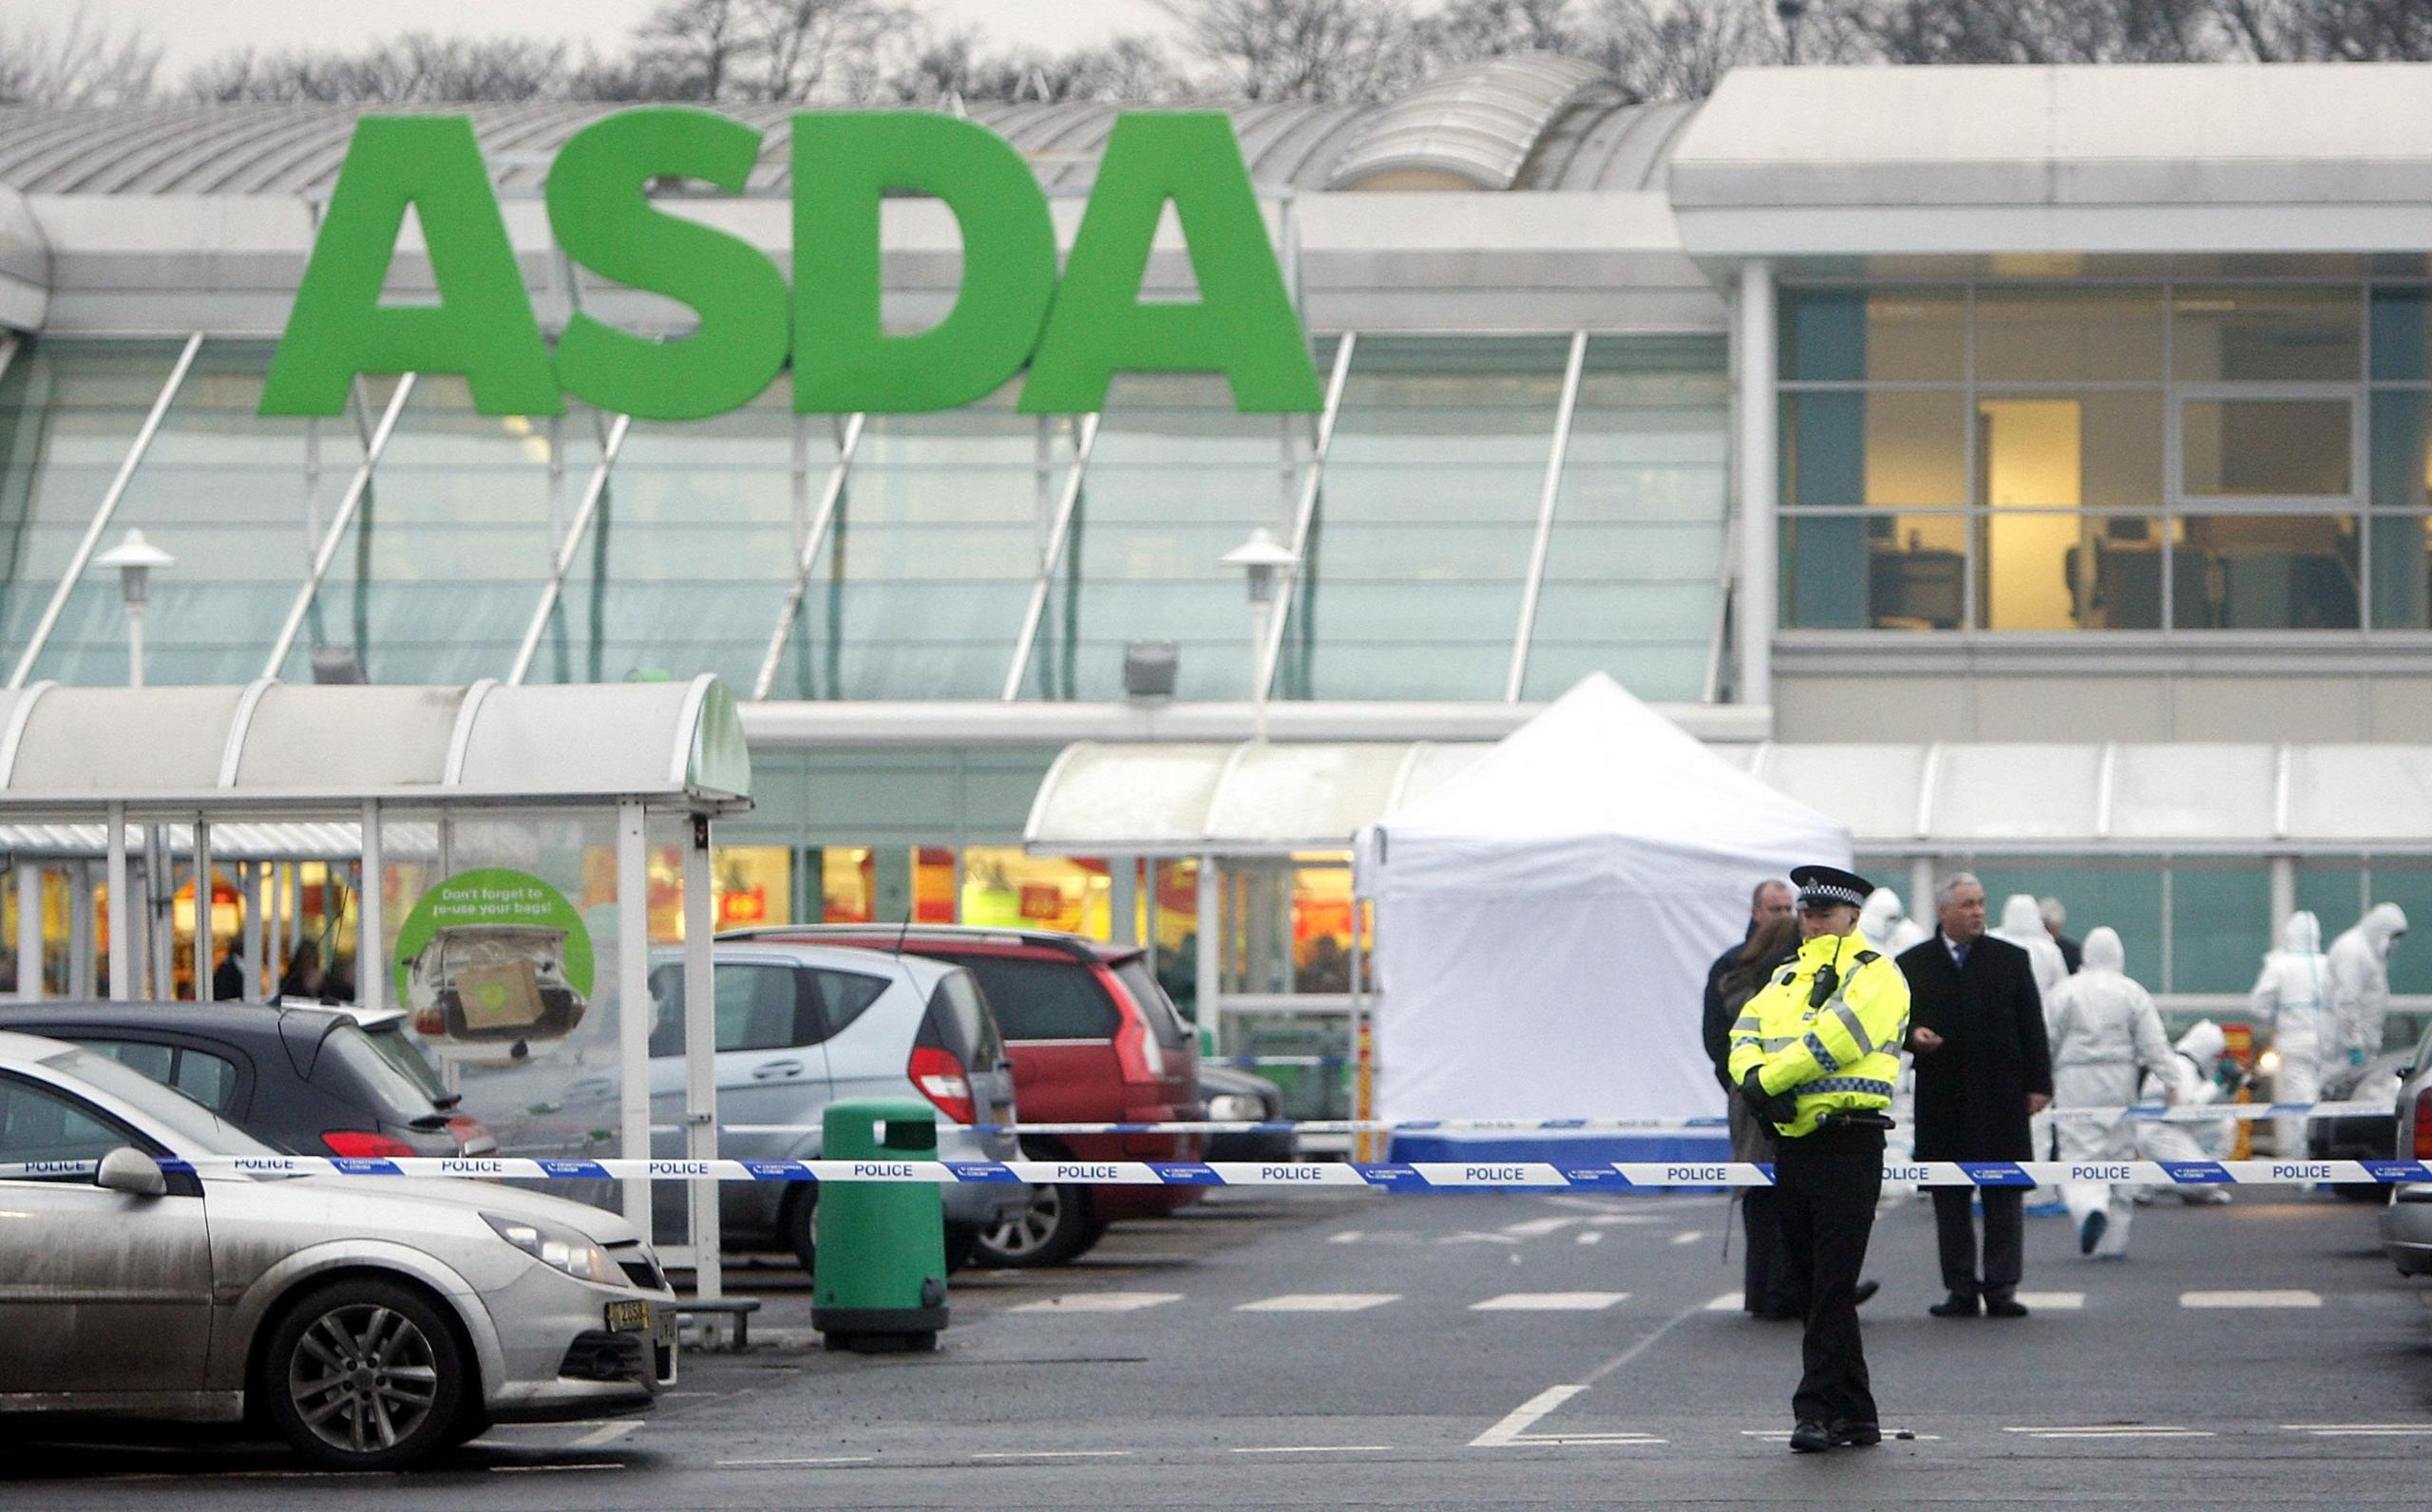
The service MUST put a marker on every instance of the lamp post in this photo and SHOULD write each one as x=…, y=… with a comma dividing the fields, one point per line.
x=135, y=558
x=1263, y=561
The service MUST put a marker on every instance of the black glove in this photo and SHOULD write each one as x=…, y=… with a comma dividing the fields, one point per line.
x=1774, y=1108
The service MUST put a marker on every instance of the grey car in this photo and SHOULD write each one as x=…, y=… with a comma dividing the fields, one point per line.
x=370, y=1320
x=2406, y=1222
x=801, y=1026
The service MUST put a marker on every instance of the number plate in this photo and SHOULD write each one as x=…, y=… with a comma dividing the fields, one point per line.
x=629, y=1318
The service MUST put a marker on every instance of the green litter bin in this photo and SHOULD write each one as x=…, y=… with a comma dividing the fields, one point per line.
x=881, y=1276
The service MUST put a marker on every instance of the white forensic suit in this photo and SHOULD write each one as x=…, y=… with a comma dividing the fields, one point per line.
x=2360, y=985
x=2187, y=1081
x=2104, y=1029
x=2293, y=994
x=1884, y=920
x=2023, y=926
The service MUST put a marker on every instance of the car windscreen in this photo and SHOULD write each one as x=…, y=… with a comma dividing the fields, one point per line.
x=1044, y=1000
x=350, y=1053
x=1162, y=1014
x=193, y=1129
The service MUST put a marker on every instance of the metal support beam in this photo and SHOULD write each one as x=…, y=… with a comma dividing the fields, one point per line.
x=807, y=560
x=204, y=941
x=79, y=930
x=1527, y=629
x=1050, y=559
x=121, y=920
x=700, y=1061
x=1759, y=479
x=370, y=942
x=82, y=556
x=632, y=997
x=350, y=503
x=585, y=512
x=1304, y=516
x=30, y=952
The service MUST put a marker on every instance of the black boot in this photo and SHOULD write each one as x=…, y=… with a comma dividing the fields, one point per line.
x=1810, y=1436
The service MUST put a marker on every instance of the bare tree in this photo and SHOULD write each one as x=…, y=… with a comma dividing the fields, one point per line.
x=1304, y=49
x=2042, y=31
x=80, y=62
x=1465, y=30
x=2337, y=30
x=418, y=69
x=1680, y=49
x=785, y=52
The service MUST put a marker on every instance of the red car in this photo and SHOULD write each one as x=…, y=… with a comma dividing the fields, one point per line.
x=1093, y=1039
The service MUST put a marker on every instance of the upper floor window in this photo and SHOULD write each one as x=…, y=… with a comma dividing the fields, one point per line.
x=2229, y=456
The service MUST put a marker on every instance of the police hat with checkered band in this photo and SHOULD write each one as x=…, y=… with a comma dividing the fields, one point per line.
x=1830, y=887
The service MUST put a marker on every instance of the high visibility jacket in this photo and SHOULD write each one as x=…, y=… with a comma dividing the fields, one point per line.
x=1844, y=1052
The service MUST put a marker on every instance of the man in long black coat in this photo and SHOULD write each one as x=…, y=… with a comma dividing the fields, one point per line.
x=1983, y=1069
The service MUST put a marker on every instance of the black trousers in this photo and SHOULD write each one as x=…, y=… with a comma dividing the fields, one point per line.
x=1767, y=1286
x=1826, y=1188
x=2005, y=1240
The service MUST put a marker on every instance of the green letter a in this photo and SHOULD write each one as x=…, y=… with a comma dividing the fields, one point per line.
x=482, y=325
x=1242, y=325
x=843, y=360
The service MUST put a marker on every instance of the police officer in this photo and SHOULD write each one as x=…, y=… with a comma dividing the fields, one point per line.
x=1815, y=1052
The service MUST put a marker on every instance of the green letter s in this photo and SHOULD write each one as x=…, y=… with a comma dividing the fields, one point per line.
x=482, y=325
x=843, y=360
x=1242, y=325
x=602, y=216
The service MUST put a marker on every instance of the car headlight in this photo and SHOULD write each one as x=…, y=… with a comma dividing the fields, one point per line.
x=1236, y=1107
x=559, y=1249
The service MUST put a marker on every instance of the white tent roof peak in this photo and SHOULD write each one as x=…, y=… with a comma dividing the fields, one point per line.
x=1598, y=761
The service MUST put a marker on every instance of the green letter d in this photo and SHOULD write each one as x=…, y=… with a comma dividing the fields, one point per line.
x=843, y=360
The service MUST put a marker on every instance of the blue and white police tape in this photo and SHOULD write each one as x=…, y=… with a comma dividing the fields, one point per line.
x=2139, y=1113
x=1380, y=1177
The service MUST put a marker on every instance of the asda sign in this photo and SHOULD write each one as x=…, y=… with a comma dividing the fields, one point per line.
x=1014, y=314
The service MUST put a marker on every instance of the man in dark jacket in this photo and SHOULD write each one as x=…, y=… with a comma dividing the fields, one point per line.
x=1983, y=1069
x=1770, y=901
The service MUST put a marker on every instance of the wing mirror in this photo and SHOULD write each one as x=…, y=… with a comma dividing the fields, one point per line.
x=129, y=1170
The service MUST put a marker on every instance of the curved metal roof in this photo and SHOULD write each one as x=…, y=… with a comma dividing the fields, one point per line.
x=1534, y=122
x=302, y=752
x=1470, y=127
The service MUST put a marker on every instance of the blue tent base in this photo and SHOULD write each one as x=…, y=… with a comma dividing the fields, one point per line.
x=1513, y=1149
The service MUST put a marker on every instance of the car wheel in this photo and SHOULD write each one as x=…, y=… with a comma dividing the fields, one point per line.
x=365, y=1375
x=1060, y=1222
x=802, y=1229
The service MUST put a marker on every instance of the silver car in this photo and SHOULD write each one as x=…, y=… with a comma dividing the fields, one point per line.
x=801, y=1026
x=2406, y=1222
x=370, y=1320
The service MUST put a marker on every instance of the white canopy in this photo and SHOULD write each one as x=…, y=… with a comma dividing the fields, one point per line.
x=1546, y=918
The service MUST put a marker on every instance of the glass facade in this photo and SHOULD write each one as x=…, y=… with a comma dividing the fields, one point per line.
x=619, y=551
x=2182, y=457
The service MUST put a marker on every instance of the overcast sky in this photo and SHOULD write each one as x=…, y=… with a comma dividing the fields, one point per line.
x=191, y=31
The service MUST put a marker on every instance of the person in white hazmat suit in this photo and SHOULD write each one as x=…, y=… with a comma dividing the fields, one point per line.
x=2360, y=987
x=2188, y=1080
x=2023, y=926
x=1884, y=921
x=2293, y=994
x=2104, y=1029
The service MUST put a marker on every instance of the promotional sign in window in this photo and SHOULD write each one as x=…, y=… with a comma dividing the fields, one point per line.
x=495, y=966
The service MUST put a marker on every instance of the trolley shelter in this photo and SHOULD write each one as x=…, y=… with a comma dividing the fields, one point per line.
x=512, y=842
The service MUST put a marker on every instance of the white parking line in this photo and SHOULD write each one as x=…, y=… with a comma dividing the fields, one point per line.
x=2347, y=1430
x=1054, y=1454
x=604, y=1434
x=1321, y=1302
x=1319, y=1448
x=552, y=1470
x=772, y=1464
x=1346, y=1236
x=1688, y=1236
x=1520, y=1419
x=1590, y=1237
x=1099, y=1302
x=1539, y=1227
x=2292, y=1297
x=2054, y=1301
x=1732, y=1302
x=2115, y=1430
x=1550, y=1302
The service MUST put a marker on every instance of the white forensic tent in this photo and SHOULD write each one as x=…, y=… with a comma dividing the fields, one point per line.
x=1546, y=918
